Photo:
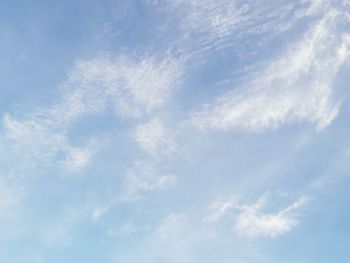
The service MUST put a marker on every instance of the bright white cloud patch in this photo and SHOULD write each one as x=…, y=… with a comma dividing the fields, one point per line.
x=296, y=87
x=254, y=222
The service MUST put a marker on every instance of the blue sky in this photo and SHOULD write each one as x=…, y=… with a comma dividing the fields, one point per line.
x=174, y=131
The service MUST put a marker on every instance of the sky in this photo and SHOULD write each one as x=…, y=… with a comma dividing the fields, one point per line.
x=174, y=131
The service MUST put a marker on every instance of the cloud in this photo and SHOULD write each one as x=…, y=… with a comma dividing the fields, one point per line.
x=143, y=177
x=220, y=209
x=79, y=157
x=132, y=87
x=155, y=139
x=98, y=212
x=253, y=222
x=296, y=87
x=37, y=141
x=221, y=24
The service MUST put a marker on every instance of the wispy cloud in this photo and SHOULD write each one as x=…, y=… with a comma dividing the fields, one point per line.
x=224, y=24
x=253, y=220
x=79, y=157
x=155, y=139
x=98, y=212
x=296, y=87
x=132, y=86
x=220, y=209
x=144, y=177
x=38, y=142
x=240, y=66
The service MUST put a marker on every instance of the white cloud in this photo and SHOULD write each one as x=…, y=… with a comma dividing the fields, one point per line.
x=37, y=141
x=316, y=6
x=211, y=25
x=133, y=87
x=143, y=177
x=79, y=157
x=253, y=222
x=220, y=209
x=98, y=212
x=155, y=139
x=30, y=141
x=296, y=87
x=224, y=15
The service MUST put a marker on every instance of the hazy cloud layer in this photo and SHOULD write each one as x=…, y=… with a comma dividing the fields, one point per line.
x=174, y=131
